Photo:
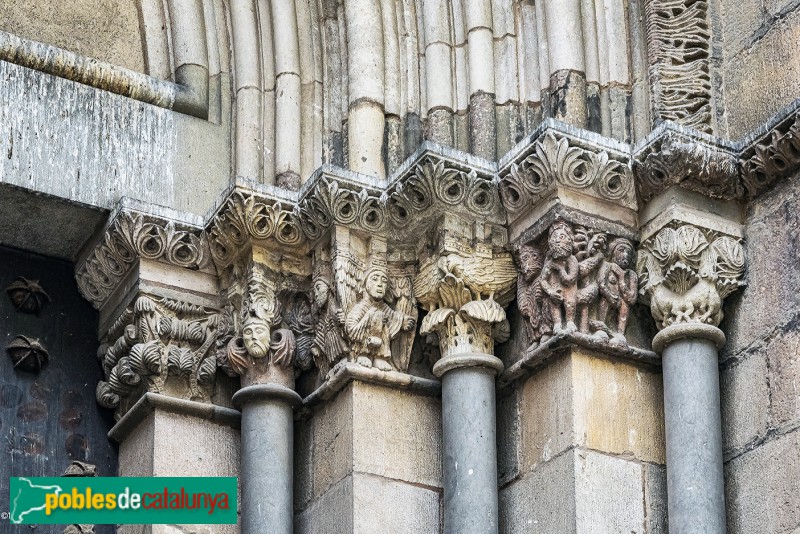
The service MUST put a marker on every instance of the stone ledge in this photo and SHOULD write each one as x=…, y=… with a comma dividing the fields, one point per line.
x=538, y=357
x=149, y=402
x=344, y=372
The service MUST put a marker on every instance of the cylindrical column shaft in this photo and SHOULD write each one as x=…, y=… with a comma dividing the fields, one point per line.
x=470, y=450
x=695, y=486
x=267, y=458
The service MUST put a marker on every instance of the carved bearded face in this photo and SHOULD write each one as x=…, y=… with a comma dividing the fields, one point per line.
x=623, y=255
x=560, y=242
x=320, y=293
x=376, y=284
x=256, y=336
x=530, y=262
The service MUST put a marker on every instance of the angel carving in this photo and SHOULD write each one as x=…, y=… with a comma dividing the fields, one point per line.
x=371, y=324
x=329, y=345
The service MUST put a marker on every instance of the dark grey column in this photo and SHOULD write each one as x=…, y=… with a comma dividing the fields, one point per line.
x=469, y=442
x=695, y=484
x=267, y=457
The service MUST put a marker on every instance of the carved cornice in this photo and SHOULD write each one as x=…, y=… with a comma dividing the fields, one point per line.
x=686, y=271
x=557, y=157
x=438, y=180
x=772, y=152
x=132, y=235
x=248, y=216
x=677, y=155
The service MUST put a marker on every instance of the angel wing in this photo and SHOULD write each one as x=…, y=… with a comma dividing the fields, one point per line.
x=347, y=271
x=402, y=291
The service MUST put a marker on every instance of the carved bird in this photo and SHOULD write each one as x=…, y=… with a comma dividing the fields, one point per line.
x=493, y=278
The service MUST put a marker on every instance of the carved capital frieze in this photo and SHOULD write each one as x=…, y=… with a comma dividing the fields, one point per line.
x=464, y=282
x=773, y=152
x=249, y=217
x=130, y=236
x=562, y=165
x=685, y=272
x=159, y=345
x=439, y=180
x=677, y=155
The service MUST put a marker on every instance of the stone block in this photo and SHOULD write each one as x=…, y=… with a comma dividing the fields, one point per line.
x=332, y=513
x=783, y=354
x=546, y=414
x=762, y=79
x=382, y=505
x=303, y=460
x=619, y=408
x=508, y=434
x=609, y=496
x=655, y=499
x=332, y=449
x=542, y=500
x=584, y=400
x=397, y=434
x=740, y=22
x=762, y=488
x=745, y=402
x=772, y=295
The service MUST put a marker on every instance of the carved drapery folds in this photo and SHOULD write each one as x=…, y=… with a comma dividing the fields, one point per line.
x=685, y=272
x=576, y=279
x=159, y=345
x=133, y=235
x=679, y=50
x=555, y=160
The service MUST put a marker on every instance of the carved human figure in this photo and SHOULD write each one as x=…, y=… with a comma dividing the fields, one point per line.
x=530, y=294
x=328, y=346
x=559, y=278
x=372, y=324
x=256, y=336
x=618, y=284
x=589, y=261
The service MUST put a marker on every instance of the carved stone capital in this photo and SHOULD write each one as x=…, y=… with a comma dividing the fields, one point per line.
x=677, y=155
x=563, y=165
x=130, y=236
x=464, y=283
x=685, y=272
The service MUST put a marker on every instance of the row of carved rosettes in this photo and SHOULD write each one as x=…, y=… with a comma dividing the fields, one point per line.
x=132, y=236
x=685, y=272
x=576, y=280
x=557, y=160
x=159, y=345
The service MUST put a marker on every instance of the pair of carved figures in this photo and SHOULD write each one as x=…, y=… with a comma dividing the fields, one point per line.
x=578, y=281
x=360, y=325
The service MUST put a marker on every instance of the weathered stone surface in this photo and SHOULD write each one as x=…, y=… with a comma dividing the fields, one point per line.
x=591, y=402
x=740, y=21
x=382, y=505
x=397, y=435
x=332, y=449
x=744, y=394
x=763, y=490
x=783, y=355
x=107, y=30
x=763, y=78
x=508, y=436
x=332, y=513
x=526, y=506
x=655, y=498
x=608, y=494
x=764, y=304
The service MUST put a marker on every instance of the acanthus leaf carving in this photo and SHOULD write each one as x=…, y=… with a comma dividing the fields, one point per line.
x=773, y=157
x=331, y=203
x=554, y=160
x=685, y=272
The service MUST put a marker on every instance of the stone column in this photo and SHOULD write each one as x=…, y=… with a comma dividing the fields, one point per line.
x=686, y=271
x=459, y=285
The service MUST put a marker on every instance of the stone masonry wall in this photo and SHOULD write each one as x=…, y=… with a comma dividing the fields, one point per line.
x=761, y=372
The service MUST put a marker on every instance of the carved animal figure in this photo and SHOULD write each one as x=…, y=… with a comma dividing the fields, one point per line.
x=700, y=303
